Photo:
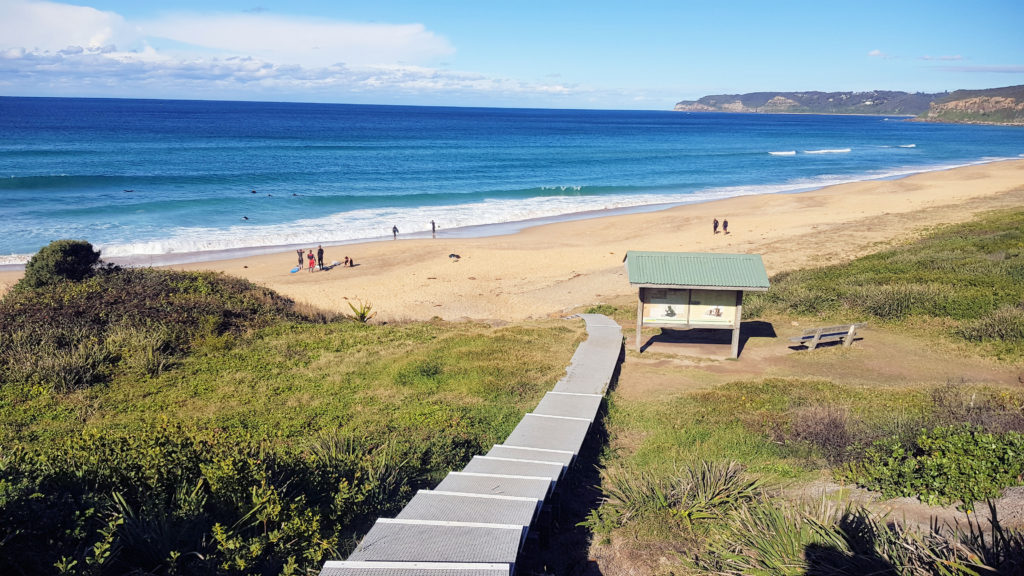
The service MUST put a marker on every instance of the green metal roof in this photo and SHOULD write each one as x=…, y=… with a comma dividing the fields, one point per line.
x=697, y=270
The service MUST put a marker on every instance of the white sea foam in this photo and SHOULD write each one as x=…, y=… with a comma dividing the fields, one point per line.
x=784, y=153
x=908, y=145
x=483, y=218
x=828, y=151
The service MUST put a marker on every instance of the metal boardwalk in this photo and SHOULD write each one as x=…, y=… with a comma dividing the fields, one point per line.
x=475, y=522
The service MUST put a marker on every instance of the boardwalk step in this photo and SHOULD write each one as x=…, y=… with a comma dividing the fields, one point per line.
x=359, y=568
x=459, y=507
x=563, y=457
x=524, y=487
x=537, y=431
x=514, y=467
x=570, y=404
x=411, y=541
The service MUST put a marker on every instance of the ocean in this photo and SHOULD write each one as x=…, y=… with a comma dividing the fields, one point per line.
x=158, y=181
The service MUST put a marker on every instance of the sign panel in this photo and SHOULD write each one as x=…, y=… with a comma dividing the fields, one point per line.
x=713, y=307
x=666, y=306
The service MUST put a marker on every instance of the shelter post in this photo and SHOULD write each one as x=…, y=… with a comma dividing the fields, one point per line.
x=639, y=316
x=736, y=325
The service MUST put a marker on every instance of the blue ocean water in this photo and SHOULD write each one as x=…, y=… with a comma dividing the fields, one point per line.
x=171, y=180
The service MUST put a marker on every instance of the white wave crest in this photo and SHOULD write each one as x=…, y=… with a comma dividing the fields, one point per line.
x=828, y=151
x=784, y=153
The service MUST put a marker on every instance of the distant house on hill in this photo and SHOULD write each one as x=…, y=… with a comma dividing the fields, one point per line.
x=684, y=290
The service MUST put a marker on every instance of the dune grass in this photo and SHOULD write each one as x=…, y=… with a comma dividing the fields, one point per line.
x=965, y=281
x=256, y=439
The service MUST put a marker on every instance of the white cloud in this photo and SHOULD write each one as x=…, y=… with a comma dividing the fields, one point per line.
x=878, y=54
x=956, y=58
x=50, y=26
x=53, y=49
x=303, y=41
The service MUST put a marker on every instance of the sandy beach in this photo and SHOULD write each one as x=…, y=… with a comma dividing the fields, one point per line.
x=555, y=268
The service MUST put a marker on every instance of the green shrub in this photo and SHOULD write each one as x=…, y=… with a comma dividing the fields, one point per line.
x=606, y=309
x=212, y=504
x=71, y=335
x=944, y=465
x=59, y=261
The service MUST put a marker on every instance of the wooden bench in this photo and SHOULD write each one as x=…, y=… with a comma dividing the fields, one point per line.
x=814, y=336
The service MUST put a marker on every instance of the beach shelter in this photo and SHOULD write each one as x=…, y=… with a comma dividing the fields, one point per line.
x=685, y=290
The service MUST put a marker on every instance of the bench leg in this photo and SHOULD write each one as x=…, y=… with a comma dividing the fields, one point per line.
x=848, y=340
x=814, y=341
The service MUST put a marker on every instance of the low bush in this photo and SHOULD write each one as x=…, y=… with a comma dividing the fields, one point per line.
x=606, y=309
x=71, y=335
x=60, y=261
x=166, y=500
x=944, y=465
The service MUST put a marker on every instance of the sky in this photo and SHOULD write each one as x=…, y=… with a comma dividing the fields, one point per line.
x=533, y=54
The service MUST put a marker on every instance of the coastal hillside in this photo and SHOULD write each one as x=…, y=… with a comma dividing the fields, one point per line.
x=994, y=106
x=874, y=102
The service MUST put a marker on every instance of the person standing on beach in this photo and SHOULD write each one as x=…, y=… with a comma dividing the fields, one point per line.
x=299, y=252
x=714, y=225
x=394, y=232
x=320, y=256
x=725, y=226
x=433, y=228
x=312, y=260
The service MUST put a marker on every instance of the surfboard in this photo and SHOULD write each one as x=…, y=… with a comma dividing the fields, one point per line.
x=296, y=269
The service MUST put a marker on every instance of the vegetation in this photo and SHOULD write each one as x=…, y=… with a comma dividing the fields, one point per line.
x=59, y=261
x=772, y=537
x=993, y=106
x=158, y=422
x=67, y=335
x=952, y=442
x=780, y=431
x=967, y=278
x=944, y=465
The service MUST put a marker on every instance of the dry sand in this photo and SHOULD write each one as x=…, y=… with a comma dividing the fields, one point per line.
x=551, y=269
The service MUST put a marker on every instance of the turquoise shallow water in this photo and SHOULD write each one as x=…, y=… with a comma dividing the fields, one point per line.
x=166, y=180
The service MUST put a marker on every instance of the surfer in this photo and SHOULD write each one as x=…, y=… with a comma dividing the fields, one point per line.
x=320, y=256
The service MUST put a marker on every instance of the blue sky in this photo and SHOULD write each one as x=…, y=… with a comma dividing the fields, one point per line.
x=553, y=54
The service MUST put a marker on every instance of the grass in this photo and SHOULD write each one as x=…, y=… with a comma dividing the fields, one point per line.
x=967, y=278
x=265, y=439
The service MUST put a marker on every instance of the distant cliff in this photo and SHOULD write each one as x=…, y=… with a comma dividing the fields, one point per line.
x=875, y=102
x=992, y=106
